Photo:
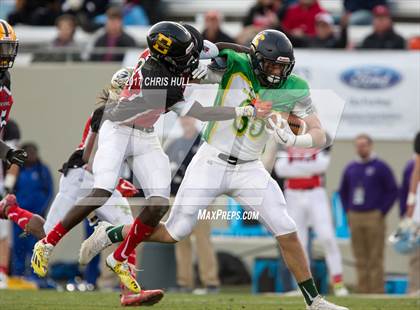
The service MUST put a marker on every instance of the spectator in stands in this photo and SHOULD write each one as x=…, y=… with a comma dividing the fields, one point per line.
x=299, y=19
x=414, y=43
x=47, y=14
x=325, y=36
x=213, y=31
x=37, y=13
x=368, y=190
x=63, y=47
x=263, y=15
x=155, y=10
x=34, y=190
x=133, y=15
x=114, y=37
x=86, y=11
x=383, y=36
x=360, y=11
x=181, y=152
x=23, y=12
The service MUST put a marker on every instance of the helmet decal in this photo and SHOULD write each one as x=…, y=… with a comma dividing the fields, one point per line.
x=258, y=38
x=163, y=44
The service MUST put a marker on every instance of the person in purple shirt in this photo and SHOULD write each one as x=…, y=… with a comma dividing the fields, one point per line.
x=368, y=191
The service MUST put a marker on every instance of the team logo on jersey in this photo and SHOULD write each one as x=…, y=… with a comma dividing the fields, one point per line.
x=371, y=77
x=257, y=39
x=163, y=44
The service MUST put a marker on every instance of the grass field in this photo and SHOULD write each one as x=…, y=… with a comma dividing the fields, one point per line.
x=46, y=300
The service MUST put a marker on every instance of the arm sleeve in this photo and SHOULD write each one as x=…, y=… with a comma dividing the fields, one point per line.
x=182, y=107
x=303, y=107
x=11, y=131
x=215, y=72
x=96, y=119
x=4, y=148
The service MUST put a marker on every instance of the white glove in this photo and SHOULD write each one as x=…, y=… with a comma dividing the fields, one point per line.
x=200, y=72
x=209, y=51
x=281, y=132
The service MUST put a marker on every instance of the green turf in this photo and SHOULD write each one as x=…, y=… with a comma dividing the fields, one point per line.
x=46, y=300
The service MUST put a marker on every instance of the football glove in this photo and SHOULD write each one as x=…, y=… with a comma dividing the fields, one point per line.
x=16, y=157
x=281, y=132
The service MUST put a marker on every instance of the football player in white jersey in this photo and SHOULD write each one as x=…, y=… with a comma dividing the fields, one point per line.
x=156, y=87
x=229, y=162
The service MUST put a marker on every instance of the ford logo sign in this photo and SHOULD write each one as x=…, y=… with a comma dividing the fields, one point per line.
x=371, y=77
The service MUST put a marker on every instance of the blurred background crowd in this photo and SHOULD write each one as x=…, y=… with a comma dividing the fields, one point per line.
x=85, y=31
x=100, y=30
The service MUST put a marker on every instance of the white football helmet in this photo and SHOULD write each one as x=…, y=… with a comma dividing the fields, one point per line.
x=121, y=77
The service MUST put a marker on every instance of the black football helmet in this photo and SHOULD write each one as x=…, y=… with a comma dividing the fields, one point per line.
x=272, y=48
x=197, y=37
x=172, y=44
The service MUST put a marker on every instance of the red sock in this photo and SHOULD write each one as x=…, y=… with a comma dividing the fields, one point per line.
x=338, y=278
x=4, y=269
x=18, y=215
x=137, y=234
x=55, y=235
x=132, y=263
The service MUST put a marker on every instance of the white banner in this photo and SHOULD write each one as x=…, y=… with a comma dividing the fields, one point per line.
x=381, y=90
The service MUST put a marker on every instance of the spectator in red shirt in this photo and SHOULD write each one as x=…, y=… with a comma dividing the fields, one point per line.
x=299, y=19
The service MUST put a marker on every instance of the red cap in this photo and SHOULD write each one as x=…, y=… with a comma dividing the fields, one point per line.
x=380, y=10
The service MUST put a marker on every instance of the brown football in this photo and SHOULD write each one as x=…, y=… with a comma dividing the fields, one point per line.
x=297, y=125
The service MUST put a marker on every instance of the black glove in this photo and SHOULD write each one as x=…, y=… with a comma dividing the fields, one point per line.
x=16, y=157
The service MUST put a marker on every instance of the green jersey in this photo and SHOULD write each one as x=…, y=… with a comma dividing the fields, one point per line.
x=243, y=137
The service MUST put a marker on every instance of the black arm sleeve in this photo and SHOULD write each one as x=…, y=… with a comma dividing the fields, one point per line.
x=96, y=119
x=11, y=131
x=4, y=149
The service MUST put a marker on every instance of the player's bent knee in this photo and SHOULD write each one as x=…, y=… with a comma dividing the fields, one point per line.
x=99, y=192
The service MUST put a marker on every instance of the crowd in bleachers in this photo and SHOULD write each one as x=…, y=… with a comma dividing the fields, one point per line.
x=307, y=23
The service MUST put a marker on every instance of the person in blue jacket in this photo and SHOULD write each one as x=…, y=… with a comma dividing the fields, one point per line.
x=34, y=189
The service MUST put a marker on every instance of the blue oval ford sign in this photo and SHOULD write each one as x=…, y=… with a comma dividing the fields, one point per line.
x=371, y=77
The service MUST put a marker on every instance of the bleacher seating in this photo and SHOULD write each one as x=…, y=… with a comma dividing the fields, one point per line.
x=35, y=38
x=30, y=35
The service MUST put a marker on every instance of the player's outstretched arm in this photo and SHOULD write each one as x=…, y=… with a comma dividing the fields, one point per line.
x=233, y=46
x=225, y=113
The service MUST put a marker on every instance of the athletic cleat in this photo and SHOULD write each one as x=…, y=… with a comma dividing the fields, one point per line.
x=3, y=281
x=144, y=298
x=96, y=242
x=319, y=303
x=35, y=227
x=40, y=257
x=7, y=201
x=123, y=272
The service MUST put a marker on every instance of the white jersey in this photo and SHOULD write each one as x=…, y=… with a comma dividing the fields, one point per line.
x=243, y=137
